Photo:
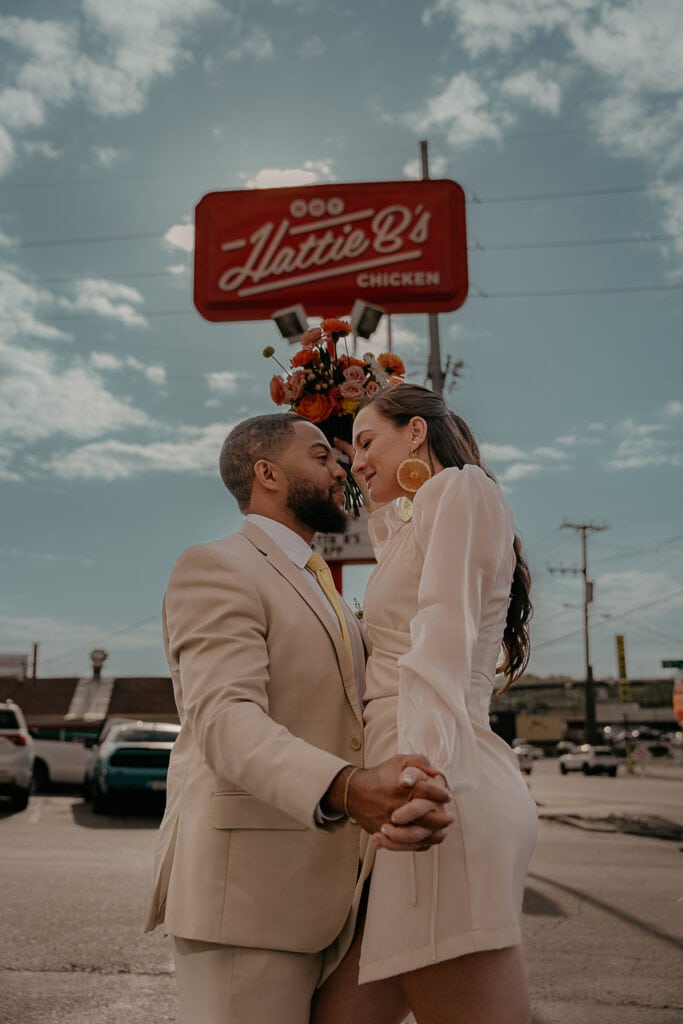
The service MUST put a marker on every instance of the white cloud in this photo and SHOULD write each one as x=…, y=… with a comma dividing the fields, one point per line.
x=518, y=471
x=484, y=25
x=108, y=299
x=7, y=151
x=548, y=452
x=6, y=239
x=540, y=91
x=20, y=108
x=309, y=173
x=501, y=452
x=224, y=382
x=107, y=156
x=674, y=408
x=20, y=305
x=180, y=236
x=107, y=361
x=630, y=52
x=108, y=58
x=464, y=111
x=256, y=43
x=645, y=444
x=41, y=147
x=312, y=46
x=636, y=45
x=179, y=269
x=437, y=167
x=41, y=398
x=195, y=451
x=620, y=591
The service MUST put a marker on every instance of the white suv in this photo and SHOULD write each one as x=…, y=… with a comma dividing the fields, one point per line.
x=16, y=756
x=589, y=760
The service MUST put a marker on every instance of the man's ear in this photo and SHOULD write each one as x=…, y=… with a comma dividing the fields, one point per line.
x=266, y=474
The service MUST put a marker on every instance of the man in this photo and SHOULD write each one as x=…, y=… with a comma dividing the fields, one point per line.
x=258, y=856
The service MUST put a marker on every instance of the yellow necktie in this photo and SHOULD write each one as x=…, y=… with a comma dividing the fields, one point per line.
x=322, y=573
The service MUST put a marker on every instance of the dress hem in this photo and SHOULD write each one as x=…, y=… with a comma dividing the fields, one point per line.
x=460, y=945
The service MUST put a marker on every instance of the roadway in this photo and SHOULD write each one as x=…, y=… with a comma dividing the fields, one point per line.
x=602, y=917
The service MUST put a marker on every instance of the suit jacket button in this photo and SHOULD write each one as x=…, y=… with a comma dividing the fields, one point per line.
x=356, y=743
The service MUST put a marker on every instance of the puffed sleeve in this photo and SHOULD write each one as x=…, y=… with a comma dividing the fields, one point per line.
x=463, y=530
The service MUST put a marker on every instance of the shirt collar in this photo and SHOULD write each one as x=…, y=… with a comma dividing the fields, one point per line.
x=289, y=542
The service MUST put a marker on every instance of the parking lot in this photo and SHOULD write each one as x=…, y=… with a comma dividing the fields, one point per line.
x=602, y=921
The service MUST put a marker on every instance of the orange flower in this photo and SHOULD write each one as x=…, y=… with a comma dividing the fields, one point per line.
x=334, y=326
x=346, y=361
x=391, y=363
x=305, y=356
x=277, y=391
x=315, y=407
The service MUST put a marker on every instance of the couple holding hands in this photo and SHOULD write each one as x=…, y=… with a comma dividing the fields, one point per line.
x=345, y=839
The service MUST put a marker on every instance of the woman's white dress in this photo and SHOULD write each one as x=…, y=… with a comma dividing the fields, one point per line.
x=435, y=608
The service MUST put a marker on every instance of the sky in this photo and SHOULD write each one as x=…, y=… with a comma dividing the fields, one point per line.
x=563, y=122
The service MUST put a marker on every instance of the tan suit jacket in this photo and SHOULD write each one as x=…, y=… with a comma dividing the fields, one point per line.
x=269, y=714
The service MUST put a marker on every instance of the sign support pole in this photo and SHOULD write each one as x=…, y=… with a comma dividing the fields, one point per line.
x=434, y=370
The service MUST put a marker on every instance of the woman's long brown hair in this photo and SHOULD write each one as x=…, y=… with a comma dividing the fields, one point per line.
x=452, y=443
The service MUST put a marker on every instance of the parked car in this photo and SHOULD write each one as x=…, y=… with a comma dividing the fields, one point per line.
x=532, y=752
x=589, y=760
x=61, y=755
x=16, y=756
x=564, y=746
x=524, y=759
x=131, y=758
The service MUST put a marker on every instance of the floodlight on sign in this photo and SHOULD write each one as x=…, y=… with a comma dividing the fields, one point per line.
x=291, y=323
x=365, y=318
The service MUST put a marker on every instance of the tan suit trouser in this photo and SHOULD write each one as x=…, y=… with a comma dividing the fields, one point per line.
x=236, y=985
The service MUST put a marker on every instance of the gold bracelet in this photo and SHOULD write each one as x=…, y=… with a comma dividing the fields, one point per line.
x=346, y=794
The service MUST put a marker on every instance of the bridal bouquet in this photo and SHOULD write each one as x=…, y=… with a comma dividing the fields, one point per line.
x=326, y=386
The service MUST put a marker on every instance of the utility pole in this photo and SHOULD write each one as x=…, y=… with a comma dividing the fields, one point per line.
x=588, y=591
x=435, y=372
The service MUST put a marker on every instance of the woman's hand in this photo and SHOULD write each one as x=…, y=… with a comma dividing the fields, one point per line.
x=419, y=823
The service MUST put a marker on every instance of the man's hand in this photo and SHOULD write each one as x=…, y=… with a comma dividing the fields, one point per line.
x=375, y=796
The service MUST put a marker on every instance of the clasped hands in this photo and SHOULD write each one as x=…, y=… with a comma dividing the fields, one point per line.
x=403, y=803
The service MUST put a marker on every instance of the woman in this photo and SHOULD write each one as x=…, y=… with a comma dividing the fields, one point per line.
x=440, y=933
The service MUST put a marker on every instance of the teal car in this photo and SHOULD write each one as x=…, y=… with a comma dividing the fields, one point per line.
x=130, y=759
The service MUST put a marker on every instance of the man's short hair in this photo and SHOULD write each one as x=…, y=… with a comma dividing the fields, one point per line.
x=261, y=437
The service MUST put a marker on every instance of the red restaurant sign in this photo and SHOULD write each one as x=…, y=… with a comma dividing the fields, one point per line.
x=398, y=244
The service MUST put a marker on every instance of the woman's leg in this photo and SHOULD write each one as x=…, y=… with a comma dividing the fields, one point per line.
x=341, y=1000
x=481, y=988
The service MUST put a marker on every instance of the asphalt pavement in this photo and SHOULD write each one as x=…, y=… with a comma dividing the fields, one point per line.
x=602, y=913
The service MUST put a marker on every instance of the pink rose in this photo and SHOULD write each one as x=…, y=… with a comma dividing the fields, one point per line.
x=294, y=386
x=356, y=373
x=311, y=337
x=351, y=389
x=371, y=388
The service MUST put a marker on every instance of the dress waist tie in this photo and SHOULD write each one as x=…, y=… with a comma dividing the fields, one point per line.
x=435, y=898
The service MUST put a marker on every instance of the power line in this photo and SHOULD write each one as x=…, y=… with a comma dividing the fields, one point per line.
x=102, y=640
x=575, y=194
x=572, y=243
x=556, y=293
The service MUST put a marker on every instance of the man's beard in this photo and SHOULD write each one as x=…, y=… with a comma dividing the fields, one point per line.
x=314, y=508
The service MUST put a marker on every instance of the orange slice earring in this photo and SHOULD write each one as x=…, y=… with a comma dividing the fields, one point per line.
x=412, y=473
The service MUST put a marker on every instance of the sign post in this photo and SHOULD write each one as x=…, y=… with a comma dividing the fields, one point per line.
x=624, y=695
